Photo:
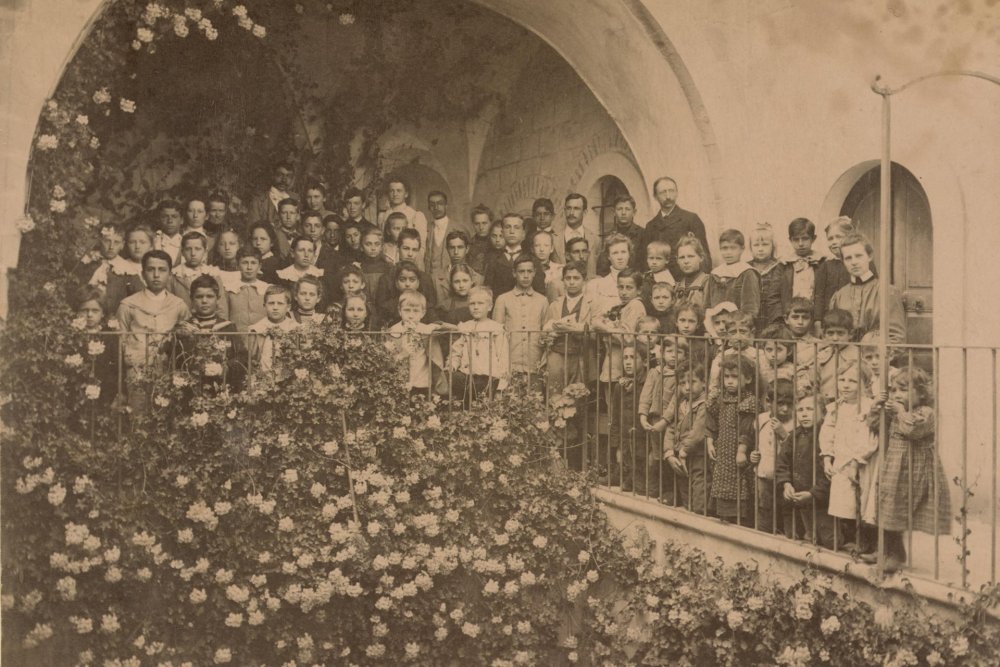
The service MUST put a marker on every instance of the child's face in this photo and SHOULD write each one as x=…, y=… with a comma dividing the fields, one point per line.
x=742, y=331
x=355, y=206
x=805, y=412
x=543, y=217
x=721, y=324
x=573, y=282
x=289, y=216
x=856, y=259
x=775, y=354
x=193, y=252
x=624, y=214
x=762, y=248
x=355, y=312
x=315, y=199
x=627, y=289
x=619, y=256
x=156, y=273
x=687, y=323
x=524, y=274
x=352, y=283
x=92, y=313
x=799, y=321
x=836, y=335
x=204, y=302
x=661, y=299
x=276, y=307
x=513, y=231
x=834, y=236
x=372, y=246
x=901, y=392
x=802, y=244
x=542, y=247
x=217, y=212
x=408, y=250
x=312, y=228
x=331, y=233
x=411, y=312
x=306, y=296
x=260, y=241
x=783, y=411
x=847, y=385
x=461, y=283
x=302, y=254
x=479, y=305
x=407, y=280
x=353, y=237
x=871, y=360
x=138, y=245
x=628, y=361
x=690, y=386
x=496, y=238
x=249, y=268
x=396, y=225
x=481, y=224
x=657, y=260
x=688, y=260
x=731, y=380
x=229, y=245
x=580, y=252
x=112, y=244
x=170, y=221
x=671, y=354
x=731, y=252
x=196, y=214
x=457, y=251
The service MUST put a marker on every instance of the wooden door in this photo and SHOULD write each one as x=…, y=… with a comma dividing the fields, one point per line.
x=912, y=237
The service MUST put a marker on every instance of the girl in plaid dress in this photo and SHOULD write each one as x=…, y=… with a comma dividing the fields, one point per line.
x=730, y=419
x=910, y=451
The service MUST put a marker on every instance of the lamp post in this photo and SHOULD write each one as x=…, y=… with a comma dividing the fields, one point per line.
x=879, y=87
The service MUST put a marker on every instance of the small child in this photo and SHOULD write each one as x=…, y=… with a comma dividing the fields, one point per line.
x=124, y=275
x=357, y=314
x=835, y=352
x=168, y=232
x=772, y=428
x=618, y=320
x=831, y=274
x=805, y=489
x=542, y=248
x=479, y=362
x=521, y=312
x=412, y=341
x=352, y=283
x=263, y=239
x=245, y=297
x=277, y=305
x=94, y=266
x=734, y=280
x=647, y=340
x=684, y=442
x=799, y=320
x=394, y=224
x=762, y=261
x=102, y=350
x=775, y=355
x=692, y=284
x=205, y=320
x=846, y=446
x=803, y=275
x=623, y=427
x=565, y=322
x=656, y=402
x=913, y=489
x=455, y=307
x=731, y=416
x=194, y=265
x=659, y=304
x=373, y=265
x=227, y=247
x=738, y=340
x=307, y=293
x=657, y=259
x=404, y=276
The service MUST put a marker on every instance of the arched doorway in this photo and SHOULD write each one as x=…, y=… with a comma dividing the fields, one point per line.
x=912, y=251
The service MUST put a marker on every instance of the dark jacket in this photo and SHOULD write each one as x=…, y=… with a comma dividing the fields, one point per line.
x=800, y=465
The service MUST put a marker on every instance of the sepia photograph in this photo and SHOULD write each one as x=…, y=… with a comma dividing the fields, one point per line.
x=499, y=332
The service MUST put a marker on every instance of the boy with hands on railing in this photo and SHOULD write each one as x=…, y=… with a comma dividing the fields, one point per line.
x=684, y=439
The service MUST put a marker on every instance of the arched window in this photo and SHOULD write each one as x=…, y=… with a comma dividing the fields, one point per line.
x=912, y=237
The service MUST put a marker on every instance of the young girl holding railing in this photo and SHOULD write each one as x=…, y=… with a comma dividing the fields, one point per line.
x=913, y=489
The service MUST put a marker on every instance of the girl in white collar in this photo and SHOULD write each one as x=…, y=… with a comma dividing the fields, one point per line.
x=125, y=271
x=734, y=280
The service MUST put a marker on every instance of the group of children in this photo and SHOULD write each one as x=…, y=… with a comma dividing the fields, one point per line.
x=748, y=392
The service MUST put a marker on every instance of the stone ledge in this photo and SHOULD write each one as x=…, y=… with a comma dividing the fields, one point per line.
x=777, y=557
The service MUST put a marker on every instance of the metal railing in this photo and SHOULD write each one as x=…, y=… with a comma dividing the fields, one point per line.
x=921, y=494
